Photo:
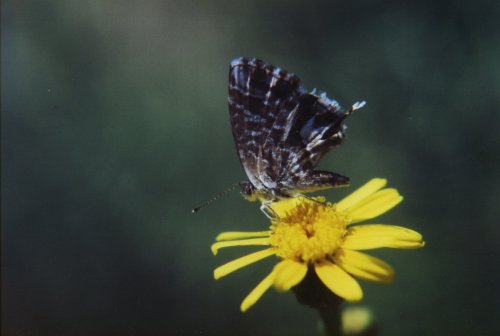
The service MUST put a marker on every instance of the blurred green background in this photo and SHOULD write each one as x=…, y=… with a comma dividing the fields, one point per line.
x=115, y=124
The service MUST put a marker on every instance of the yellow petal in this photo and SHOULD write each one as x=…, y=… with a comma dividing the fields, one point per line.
x=281, y=207
x=359, y=194
x=375, y=205
x=232, y=235
x=236, y=264
x=258, y=291
x=364, y=266
x=338, y=281
x=371, y=236
x=242, y=242
x=288, y=274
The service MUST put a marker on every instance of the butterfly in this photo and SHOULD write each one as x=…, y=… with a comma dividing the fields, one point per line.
x=281, y=131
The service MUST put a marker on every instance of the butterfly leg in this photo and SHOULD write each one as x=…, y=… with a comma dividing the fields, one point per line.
x=268, y=211
x=312, y=199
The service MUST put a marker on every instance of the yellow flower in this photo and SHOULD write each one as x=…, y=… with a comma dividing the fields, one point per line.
x=313, y=233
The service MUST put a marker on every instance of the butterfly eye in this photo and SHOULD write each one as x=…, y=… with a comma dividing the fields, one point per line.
x=248, y=191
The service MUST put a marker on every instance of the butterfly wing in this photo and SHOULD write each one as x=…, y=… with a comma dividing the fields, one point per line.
x=311, y=130
x=281, y=131
x=258, y=94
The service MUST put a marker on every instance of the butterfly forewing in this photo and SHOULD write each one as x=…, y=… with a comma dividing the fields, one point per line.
x=258, y=93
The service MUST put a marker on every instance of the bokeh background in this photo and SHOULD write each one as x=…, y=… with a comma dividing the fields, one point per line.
x=115, y=124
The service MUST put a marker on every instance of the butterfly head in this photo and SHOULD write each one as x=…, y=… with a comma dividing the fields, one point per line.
x=252, y=194
x=248, y=191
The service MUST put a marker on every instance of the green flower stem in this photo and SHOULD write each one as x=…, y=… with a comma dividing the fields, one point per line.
x=313, y=293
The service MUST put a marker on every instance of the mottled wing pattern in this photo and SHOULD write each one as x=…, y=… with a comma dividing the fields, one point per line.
x=281, y=131
x=316, y=130
x=258, y=94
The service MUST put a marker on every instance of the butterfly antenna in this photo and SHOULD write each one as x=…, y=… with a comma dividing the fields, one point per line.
x=215, y=198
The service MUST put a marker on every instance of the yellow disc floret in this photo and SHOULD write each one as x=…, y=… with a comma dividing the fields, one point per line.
x=309, y=232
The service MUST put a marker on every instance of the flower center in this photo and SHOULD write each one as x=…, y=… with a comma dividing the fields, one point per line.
x=309, y=232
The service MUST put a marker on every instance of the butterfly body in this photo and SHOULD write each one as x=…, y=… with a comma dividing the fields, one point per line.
x=281, y=131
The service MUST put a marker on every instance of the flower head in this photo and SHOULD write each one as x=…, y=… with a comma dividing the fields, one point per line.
x=312, y=233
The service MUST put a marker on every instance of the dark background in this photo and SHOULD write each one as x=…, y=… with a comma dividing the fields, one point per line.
x=115, y=124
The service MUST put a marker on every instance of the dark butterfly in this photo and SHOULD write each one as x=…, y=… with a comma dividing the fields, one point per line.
x=281, y=131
